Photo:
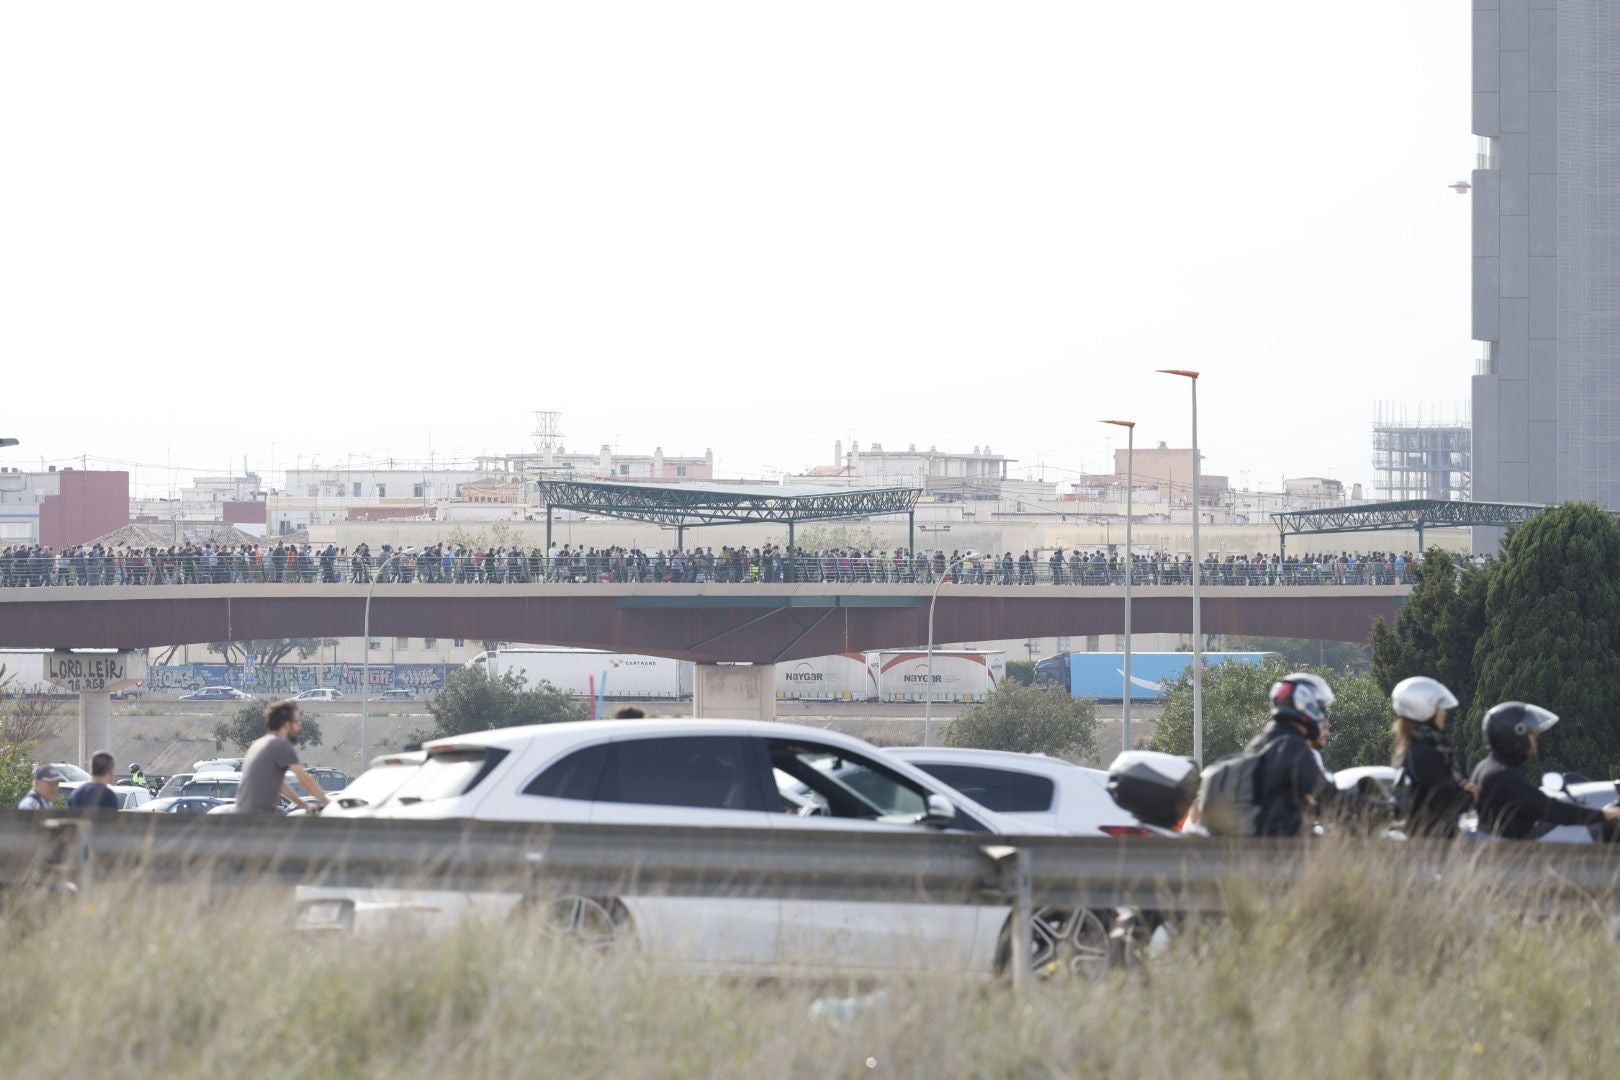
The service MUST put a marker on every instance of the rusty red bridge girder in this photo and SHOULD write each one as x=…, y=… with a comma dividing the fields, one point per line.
x=757, y=623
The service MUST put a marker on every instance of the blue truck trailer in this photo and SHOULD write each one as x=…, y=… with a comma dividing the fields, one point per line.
x=1101, y=675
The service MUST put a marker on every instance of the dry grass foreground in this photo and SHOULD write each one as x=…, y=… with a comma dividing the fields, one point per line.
x=1345, y=975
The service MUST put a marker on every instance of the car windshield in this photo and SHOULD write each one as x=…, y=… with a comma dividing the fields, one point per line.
x=71, y=773
x=220, y=789
x=1011, y=791
x=175, y=784
x=449, y=773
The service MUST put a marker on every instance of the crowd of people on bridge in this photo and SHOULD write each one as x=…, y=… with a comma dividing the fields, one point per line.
x=35, y=566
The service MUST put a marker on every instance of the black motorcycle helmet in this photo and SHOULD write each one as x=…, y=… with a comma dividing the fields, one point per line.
x=1508, y=727
x=135, y=767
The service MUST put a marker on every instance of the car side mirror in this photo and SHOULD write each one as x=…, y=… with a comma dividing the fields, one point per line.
x=941, y=812
x=1552, y=781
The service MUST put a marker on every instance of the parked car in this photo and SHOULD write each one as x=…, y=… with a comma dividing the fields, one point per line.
x=217, y=693
x=320, y=694
x=71, y=774
x=218, y=764
x=330, y=779
x=228, y=806
x=185, y=804
x=397, y=694
x=719, y=773
x=1047, y=791
x=371, y=789
x=131, y=797
x=172, y=786
x=214, y=785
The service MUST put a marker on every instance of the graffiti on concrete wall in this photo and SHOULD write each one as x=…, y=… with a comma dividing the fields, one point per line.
x=293, y=678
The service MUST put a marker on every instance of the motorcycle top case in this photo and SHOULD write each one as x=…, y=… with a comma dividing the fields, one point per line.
x=1158, y=788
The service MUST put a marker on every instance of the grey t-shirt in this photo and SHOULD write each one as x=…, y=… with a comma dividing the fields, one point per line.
x=263, y=771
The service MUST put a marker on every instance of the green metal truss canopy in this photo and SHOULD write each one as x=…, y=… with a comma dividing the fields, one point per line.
x=1410, y=515
x=686, y=505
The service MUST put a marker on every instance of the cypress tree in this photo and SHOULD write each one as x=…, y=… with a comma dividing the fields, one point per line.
x=1552, y=635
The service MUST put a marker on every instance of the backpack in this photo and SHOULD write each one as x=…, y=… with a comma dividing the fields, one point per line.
x=1229, y=795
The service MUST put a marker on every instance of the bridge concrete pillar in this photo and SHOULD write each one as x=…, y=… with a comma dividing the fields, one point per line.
x=734, y=691
x=95, y=724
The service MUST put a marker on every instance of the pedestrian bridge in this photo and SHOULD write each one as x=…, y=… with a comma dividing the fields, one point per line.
x=712, y=622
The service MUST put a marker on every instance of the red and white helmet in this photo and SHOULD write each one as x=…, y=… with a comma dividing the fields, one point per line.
x=1304, y=698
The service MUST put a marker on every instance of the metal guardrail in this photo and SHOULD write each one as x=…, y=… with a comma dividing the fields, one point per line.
x=193, y=568
x=1019, y=872
x=1181, y=875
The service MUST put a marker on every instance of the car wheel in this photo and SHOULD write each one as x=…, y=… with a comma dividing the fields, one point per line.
x=597, y=924
x=1063, y=944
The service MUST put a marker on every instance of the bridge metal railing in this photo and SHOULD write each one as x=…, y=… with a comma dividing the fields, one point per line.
x=27, y=570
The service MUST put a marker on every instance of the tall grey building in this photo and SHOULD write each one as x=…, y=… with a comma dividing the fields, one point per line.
x=1546, y=395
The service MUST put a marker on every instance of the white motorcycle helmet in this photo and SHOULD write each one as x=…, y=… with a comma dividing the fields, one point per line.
x=1420, y=698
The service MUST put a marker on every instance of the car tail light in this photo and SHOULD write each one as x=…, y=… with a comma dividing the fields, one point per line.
x=1125, y=830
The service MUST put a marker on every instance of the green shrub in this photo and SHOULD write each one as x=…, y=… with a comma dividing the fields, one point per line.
x=246, y=725
x=473, y=701
x=1029, y=720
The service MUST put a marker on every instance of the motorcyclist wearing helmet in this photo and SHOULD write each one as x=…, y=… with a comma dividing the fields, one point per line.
x=136, y=777
x=1291, y=778
x=1510, y=805
x=1436, y=792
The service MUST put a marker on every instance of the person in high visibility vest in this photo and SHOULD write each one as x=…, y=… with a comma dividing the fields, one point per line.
x=137, y=777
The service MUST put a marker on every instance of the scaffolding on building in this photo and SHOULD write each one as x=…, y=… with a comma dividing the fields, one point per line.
x=1429, y=457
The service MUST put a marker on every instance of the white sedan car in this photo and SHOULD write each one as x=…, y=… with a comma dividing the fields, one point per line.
x=1032, y=788
x=720, y=773
x=131, y=797
x=363, y=796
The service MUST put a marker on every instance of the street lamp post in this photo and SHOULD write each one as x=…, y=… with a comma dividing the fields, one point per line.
x=928, y=699
x=1130, y=572
x=365, y=659
x=1197, y=572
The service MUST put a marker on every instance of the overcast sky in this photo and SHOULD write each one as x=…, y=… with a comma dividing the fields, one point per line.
x=276, y=231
